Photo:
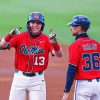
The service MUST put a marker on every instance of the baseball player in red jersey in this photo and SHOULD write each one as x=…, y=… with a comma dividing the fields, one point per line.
x=84, y=62
x=32, y=49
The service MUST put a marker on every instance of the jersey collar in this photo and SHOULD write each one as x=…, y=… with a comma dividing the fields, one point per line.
x=34, y=35
x=81, y=36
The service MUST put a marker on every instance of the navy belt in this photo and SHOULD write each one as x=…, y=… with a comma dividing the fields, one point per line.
x=97, y=79
x=29, y=74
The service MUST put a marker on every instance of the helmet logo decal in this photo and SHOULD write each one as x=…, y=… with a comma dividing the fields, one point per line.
x=36, y=15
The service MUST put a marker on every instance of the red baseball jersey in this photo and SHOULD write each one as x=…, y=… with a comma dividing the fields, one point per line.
x=31, y=54
x=85, y=55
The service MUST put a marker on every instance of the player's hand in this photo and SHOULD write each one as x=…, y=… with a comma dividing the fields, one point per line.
x=52, y=37
x=65, y=96
x=15, y=31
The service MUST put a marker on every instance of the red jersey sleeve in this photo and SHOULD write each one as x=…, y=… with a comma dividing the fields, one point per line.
x=14, y=42
x=74, y=54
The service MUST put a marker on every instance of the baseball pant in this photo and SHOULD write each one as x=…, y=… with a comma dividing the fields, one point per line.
x=21, y=84
x=87, y=90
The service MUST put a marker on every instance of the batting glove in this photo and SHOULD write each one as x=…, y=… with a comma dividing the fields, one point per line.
x=15, y=31
x=52, y=37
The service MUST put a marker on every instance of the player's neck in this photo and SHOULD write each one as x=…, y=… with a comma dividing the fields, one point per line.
x=81, y=35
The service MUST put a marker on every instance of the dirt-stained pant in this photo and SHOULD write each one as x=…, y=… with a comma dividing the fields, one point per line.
x=21, y=84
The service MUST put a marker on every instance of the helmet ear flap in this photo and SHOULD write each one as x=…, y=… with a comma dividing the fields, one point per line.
x=42, y=26
x=27, y=26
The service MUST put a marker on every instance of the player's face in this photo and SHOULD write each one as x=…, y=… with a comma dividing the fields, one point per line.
x=35, y=27
x=75, y=30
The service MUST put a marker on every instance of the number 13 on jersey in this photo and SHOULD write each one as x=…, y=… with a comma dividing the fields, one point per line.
x=39, y=60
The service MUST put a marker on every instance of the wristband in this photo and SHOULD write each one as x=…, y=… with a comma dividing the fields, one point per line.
x=8, y=37
x=56, y=46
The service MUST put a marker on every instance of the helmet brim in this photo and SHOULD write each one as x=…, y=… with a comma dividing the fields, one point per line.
x=35, y=20
x=71, y=24
x=74, y=24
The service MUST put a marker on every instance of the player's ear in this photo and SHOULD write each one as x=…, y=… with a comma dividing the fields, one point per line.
x=79, y=28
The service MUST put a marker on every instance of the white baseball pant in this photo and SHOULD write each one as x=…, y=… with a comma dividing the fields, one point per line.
x=87, y=90
x=21, y=84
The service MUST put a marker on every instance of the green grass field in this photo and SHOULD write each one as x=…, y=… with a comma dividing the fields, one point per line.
x=58, y=13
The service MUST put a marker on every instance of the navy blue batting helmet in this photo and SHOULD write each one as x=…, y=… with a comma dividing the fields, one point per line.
x=36, y=16
x=80, y=20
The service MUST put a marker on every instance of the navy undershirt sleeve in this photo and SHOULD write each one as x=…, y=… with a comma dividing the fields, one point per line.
x=70, y=77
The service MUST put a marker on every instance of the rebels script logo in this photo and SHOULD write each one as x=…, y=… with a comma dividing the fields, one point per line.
x=32, y=50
